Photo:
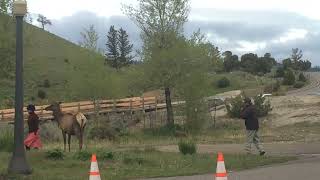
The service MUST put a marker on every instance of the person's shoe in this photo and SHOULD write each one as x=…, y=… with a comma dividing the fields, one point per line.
x=262, y=153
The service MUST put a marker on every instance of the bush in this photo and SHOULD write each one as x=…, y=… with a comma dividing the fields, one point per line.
x=223, y=83
x=42, y=94
x=133, y=160
x=106, y=155
x=280, y=72
x=50, y=132
x=55, y=154
x=6, y=141
x=289, y=78
x=102, y=132
x=187, y=147
x=302, y=78
x=299, y=84
x=274, y=87
x=263, y=107
x=46, y=83
x=235, y=106
x=82, y=155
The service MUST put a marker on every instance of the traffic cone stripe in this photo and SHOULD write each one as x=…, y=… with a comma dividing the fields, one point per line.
x=94, y=158
x=94, y=173
x=221, y=175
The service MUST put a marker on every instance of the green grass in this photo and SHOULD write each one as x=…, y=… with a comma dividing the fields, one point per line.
x=135, y=164
x=6, y=140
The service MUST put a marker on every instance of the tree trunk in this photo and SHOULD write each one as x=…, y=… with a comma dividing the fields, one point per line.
x=170, y=120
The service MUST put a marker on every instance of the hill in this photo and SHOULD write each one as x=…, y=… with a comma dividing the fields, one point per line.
x=58, y=70
x=61, y=69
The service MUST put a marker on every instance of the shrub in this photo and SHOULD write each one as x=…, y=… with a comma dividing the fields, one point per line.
x=299, y=84
x=55, y=154
x=280, y=72
x=6, y=141
x=274, y=87
x=262, y=106
x=150, y=149
x=223, y=83
x=106, y=155
x=302, y=78
x=289, y=78
x=129, y=160
x=102, y=132
x=46, y=83
x=235, y=106
x=82, y=155
x=50, y=132
x=42, y=94
x=187, y=147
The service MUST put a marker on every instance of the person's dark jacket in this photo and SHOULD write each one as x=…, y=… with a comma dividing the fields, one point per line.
x=250, y=115
x=33, y=122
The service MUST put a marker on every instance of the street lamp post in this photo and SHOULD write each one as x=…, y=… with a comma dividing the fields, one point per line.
x=18, y=163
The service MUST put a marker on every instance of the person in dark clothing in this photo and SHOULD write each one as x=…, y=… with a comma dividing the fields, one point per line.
x=249, y=114
x=33, y=139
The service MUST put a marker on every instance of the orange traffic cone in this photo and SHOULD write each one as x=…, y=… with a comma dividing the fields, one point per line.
x=94, y=169
x=221, y=169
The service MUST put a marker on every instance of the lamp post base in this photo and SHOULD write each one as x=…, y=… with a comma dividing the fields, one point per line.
x=19, y=165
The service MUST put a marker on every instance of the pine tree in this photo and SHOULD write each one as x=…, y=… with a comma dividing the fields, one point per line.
x=112, y=48
x=125, y=48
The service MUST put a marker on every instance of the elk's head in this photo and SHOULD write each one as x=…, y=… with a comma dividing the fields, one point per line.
x=55, y=107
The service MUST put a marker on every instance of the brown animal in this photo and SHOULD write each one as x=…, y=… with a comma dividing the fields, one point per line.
x=70, y=124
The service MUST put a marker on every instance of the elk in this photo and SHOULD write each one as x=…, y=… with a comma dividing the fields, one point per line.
x=70, y=124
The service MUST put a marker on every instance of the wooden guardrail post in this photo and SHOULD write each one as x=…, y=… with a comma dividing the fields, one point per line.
x=131, y=109
x=156, y=115
x=150, y=116
x=114, y=107
x=144, y=113
x=78, y=107
x=41, y=112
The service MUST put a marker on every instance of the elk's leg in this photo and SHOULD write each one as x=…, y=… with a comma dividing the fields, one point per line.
x=64, y=140
x=80, y=139
x=69, y=139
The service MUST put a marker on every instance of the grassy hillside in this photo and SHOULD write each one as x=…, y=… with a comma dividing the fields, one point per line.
x=73, y=72
x=67, y=72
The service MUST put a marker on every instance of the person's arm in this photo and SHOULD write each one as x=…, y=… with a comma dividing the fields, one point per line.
x=243, y=113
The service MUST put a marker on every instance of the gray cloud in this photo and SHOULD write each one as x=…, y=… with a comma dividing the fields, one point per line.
x=227, y=29
x=70, y=27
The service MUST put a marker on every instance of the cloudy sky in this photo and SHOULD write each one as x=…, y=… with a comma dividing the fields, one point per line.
x=258, y=26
